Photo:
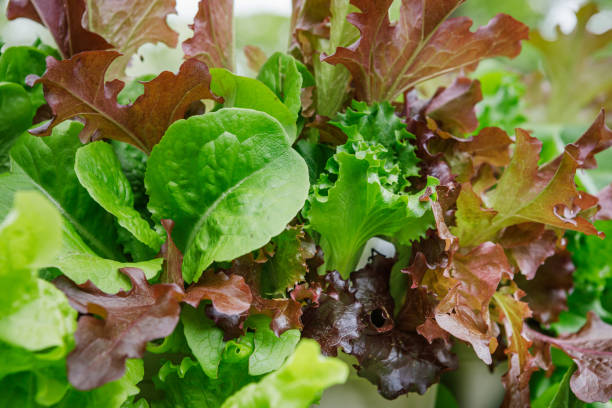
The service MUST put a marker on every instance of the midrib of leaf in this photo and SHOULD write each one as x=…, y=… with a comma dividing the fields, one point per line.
x=567, y=344
x=137, y=25
x=498, y=222
x=424, y=41
x=516, y=336
x=131, y=135
x=45, y=22
x=216, y=44
x=222, y=197
x=103, y=250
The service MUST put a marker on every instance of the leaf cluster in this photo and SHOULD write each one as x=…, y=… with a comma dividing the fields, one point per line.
x=198, y=238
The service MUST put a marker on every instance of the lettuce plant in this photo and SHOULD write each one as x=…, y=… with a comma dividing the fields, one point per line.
x=196, y=239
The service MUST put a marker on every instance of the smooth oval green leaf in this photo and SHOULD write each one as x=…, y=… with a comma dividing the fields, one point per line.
x=280, y=73
x=104, y=273
x=99, y=171
x=243, y=92
x=270, y=351
x=204, y=339
x=229, y=180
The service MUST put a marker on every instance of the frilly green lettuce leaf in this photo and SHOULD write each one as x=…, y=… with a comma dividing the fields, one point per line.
x=362, y=194
x=270, y=351
x=204, y=339
x=358, y=207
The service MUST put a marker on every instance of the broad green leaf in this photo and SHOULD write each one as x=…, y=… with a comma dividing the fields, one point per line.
x=280, y=73
x=444, y=398
x=243, y=92
x=270, y=351
x=333, y=80
x=9, y=184
x=16, y=113
x=565, y=398
x=16, y=63
x=358, y=208
x=76, y=259
x=41, y=323
x=134, y=164
x=559, y=395
x=204, y=338
x=229, y=180
x=49, y=387
x=81, y=265
x=49, y=163
x=33, y=313
x=315, y=155
x=30, y=235
x=99, y=171
x=297, y=384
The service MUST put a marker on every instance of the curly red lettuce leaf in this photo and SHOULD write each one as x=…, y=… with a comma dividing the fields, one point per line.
x=213, y=34
x=357, y=316
x=388, y=59
x=76, y=88
x=125, y=322
x=64, y=21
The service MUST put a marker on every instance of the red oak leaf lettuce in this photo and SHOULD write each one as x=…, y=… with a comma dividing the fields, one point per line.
x=76, y=88
x=213, y=34
x=356, y=315
x=388, y=59
x=591, y=350
x=126, y=322
x=63, y=19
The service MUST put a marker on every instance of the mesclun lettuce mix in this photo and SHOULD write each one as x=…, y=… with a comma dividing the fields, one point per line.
x=194, y=239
